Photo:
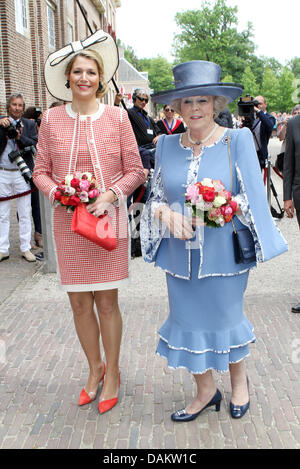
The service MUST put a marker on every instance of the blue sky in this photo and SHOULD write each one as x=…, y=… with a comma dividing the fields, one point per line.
x=148, y=25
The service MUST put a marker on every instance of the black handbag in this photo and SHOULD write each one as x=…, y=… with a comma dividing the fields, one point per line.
x=243, y=245
x=243, y=242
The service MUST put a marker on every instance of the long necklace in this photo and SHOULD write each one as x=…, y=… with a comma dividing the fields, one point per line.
x=199, y=142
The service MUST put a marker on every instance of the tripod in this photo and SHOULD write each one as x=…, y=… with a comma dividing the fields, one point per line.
x=268, y=180
x=271, y=189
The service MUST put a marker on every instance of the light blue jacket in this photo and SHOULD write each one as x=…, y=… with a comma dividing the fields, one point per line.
x=175, y=169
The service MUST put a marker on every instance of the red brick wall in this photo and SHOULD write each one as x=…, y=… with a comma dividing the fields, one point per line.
x=22, y=57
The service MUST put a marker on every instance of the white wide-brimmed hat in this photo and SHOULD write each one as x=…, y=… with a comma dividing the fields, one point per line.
x=57, y=62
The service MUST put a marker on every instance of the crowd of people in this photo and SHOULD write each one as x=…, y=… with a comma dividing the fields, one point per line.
x=194, y=147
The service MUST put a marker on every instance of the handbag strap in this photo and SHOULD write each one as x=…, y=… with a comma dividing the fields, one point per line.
x=231, y=178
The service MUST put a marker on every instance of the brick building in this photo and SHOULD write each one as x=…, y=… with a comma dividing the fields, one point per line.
x=31, y=29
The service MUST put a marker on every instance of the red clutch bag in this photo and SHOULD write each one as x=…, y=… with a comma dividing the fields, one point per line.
x=97, y=230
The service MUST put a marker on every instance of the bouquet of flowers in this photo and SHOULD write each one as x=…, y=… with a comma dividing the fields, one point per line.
x=211, y=201
x=75, y=189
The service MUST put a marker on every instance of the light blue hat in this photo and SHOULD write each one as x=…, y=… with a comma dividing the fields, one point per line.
x=198, y=78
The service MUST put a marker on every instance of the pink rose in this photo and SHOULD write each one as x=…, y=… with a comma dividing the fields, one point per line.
x=192, y=194
x=233, y=205
x=226, y=210
x=218, y=185
x=84, y=185
x=225, y=194
x=93, y=194
x=214, y=213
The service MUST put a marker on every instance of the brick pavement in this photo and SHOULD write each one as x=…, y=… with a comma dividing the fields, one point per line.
x=45, y=369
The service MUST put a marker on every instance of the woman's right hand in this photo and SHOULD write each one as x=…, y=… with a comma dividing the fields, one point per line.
x=179, y=225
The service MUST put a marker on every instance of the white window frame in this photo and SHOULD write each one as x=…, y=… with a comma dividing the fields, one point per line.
x=70, y=29
x=22, y=17
x=51, y=26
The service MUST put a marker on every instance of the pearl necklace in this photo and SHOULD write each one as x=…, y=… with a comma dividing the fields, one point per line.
x=198, y=142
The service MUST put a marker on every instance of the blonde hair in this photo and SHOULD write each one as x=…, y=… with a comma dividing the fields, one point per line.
x=92, y=55
x=220, y=103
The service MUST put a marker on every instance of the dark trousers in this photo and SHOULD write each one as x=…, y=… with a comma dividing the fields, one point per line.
x=35, y=210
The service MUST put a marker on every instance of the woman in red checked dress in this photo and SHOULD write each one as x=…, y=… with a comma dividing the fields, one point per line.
x=88, y=136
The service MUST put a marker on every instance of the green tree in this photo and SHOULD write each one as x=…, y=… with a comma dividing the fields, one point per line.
x=271, y=89
x=294, y=66
x=228, y=79
x=159, y=73
x=286, y=87
x=211, y=34
x=249, y=81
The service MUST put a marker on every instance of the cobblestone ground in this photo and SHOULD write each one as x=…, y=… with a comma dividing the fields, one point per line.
x=43, y=368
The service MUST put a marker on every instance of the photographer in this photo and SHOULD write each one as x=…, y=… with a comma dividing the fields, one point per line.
x=145, y=129
x=17, y=134
x=262, y=129
x=254, y=116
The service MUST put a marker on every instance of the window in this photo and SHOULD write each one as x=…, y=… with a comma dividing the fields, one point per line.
x=70, y=33
x=21, y=9
x=51, y=25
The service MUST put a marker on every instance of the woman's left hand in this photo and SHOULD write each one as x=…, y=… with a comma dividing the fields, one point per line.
x=100, y=206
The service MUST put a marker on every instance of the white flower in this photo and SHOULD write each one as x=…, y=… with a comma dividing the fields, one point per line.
x=219, y=201
x=220, y=221
x=200, y=205
x=68, y=179
x=207, y=182
x=70, y=190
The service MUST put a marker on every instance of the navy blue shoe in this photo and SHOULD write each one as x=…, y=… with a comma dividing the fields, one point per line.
x=238, y=411
x=182, y=416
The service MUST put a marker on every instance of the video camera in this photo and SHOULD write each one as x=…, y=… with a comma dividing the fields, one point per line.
x=246, y=110
x=17, y=157
x=37, y=113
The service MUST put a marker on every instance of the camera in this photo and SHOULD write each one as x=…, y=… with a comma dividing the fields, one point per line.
x=17, y=157
x=37, y=113
x=12, y=131
x=246, y=109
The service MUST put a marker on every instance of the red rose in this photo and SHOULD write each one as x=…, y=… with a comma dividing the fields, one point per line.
x=65, y=200
x=228, y=218
x=57, y=195
x=209, y=196
x=75, y=183
x=74, y=200
x=234, y=205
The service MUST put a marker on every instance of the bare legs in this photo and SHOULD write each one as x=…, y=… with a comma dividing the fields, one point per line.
x=88, y=331
x=206, y=388
x=111, y=332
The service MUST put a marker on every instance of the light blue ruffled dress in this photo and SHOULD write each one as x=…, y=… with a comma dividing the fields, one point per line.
x=206, y=328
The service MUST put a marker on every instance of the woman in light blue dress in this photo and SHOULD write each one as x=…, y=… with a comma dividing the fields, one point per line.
x=206, y=328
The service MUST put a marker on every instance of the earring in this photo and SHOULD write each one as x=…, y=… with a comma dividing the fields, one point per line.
x=100, y=87
x=67, y=85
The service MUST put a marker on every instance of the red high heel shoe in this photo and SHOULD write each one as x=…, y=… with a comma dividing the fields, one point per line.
x=86, y=398
x=108, y=404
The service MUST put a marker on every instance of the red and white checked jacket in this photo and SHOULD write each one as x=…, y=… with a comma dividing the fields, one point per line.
x=112, y=145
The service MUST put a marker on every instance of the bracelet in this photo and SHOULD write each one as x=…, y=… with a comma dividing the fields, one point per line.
x=115, y=195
